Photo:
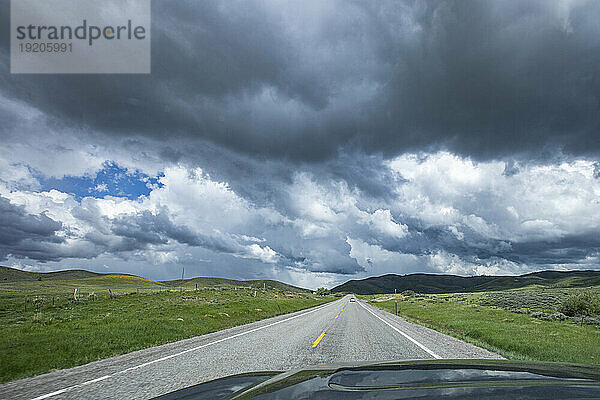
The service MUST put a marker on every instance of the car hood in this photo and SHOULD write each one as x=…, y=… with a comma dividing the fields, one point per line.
x=450, y=379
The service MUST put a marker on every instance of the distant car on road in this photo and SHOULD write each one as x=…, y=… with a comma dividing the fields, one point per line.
x=352, y=299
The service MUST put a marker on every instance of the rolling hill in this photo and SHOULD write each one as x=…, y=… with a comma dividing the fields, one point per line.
x=431, y=283
x=8, y=274
x=258, y=283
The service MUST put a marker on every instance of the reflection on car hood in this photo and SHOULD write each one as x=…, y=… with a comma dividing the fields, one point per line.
x=449, y=379
x=223, y=388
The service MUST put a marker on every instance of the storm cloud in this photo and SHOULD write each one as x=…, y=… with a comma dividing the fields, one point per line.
x=317, y=141
x=483, y=79
x=27, y=235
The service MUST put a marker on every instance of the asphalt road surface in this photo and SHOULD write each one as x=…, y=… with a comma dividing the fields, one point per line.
x=341, y=332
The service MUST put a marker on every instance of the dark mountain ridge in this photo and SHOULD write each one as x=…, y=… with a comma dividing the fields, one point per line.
x=432, y=283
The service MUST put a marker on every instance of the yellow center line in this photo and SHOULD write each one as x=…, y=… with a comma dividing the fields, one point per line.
x=318, y=339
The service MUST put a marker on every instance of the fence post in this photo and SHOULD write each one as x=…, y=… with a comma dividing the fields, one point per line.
x=396, y=301
x=25, y=303
x=52, y=301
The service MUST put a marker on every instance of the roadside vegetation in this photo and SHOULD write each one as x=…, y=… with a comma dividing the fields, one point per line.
x=560, y=325
x=46, y=325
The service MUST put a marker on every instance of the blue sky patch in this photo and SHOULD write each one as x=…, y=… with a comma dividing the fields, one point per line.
x=111, y=180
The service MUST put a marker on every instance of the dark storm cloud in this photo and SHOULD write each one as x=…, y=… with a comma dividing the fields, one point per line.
x=364, y=172
x=207, y=57
x=26, y=235
x=491, y=78
x=263, y=95
x=147, y=228
x=138, y=231
x=318, y=255
x=424, y=241
x=569, y=249
x=485, y=79
x=510, y=168
x=35, y=236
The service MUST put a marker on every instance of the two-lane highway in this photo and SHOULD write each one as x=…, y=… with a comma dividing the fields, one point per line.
x=341, y=332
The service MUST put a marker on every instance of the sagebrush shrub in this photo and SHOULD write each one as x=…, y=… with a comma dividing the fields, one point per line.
x=581, y=305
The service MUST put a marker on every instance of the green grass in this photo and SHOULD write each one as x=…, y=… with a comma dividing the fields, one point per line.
x=515, y=336
x=144, y=314
x=548, y=300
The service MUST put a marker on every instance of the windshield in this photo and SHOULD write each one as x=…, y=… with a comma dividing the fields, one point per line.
x=191, y=190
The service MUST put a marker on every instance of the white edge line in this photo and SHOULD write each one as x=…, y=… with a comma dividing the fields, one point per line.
x=69, y=388
x=51, y=394
x=96, y=380
x=431, y=353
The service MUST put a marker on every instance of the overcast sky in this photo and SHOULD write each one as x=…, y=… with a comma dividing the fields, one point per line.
x=315, y=142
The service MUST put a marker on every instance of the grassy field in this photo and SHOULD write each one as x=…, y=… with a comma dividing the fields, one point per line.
x=490, y=320
x=58, y=332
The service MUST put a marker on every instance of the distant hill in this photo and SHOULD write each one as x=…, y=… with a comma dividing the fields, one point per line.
x=431, y=283
x=259, y=283
x=8, y=274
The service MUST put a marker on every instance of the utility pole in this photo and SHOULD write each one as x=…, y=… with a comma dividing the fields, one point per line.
x=182, y=271
x=396, y=301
